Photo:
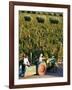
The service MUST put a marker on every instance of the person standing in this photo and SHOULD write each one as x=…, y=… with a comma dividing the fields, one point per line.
x=41, y=58
x=26, y=62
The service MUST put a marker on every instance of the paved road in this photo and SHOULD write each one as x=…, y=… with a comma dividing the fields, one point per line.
x=56, y=71
x=53, y=72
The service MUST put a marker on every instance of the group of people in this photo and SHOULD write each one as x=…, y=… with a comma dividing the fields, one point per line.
x=26, y=63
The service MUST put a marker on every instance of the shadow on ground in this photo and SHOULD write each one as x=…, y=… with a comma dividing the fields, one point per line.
x=56, y=71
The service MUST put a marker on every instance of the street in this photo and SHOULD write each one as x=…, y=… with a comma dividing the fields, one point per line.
x=53, y=72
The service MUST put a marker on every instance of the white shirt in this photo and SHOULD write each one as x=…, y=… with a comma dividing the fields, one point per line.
x=26, y=62
x=40, y=59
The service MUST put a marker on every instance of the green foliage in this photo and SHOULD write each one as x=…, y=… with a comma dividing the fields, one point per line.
x=40, y=37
